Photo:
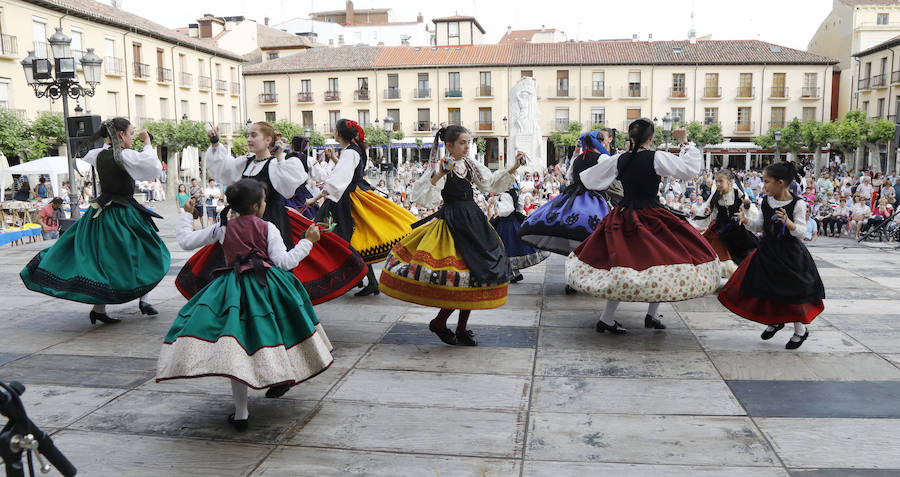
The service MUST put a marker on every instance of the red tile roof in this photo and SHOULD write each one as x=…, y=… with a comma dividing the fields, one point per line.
x=343, y=58
x=522, y=36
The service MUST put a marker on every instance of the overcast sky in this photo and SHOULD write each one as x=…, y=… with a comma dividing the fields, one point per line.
x=786, y=22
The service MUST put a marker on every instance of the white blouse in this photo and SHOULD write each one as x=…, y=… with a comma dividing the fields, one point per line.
x=685, y=166
x=724, y=200
x=755, y=224
x=319, y=171
x=279, y=255
x=140, y=165
x=341, y=174
x=427, y=195
x=286, y=174
x=505, y=206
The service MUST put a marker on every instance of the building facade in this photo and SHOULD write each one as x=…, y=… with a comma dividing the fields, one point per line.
x=877, y=94
x=149, y=71
x=748, y=87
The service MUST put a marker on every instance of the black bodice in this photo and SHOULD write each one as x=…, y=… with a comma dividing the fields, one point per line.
x=275, y=210
x=640, y=182
x=772, y=228
x=581, y=163
x=458, y=189
x=114, y=179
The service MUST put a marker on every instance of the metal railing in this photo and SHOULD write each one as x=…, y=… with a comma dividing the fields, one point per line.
x=268, y=98
x=484, y=91
x=712, y=92
x=710, y=122
x=596, y=92
x=453, y=93
x=895, y=77
x=744, y=127
x=142, y=121
x=634, y=91
x=114, y=66
x=141, y=70
x=878, y=81
x=163, y=75
x=484, y=125
x=677, y=93
x=305, y=97
x=332, y=96
x=235, y=88
x=225, y=129
x=776, y=124
x=186, y=79
x=9, y=45
x=422, y=93
x=810, y=92
x=204, y=82
x=361, y=95
x=392, y=93
x=423, y=126
x=780, y=92
x=221, y=86
x=746, y=92
x=561, y=125
x=863, y=84
x=41, y=49
x=561, y=93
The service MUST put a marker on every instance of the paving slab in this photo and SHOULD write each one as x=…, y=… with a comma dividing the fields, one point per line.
x=853, y=399
x=834, y=443
x=625, y=363
x=452, y=359
x=487, y=336
x=792, y=366
x=581, y=469
x=83, y=371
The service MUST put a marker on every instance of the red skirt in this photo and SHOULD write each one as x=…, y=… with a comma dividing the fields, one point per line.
x=761, y=310
x=330, y=270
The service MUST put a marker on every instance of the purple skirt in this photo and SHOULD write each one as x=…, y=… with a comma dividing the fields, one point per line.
x=560, y=225
x=298, y=202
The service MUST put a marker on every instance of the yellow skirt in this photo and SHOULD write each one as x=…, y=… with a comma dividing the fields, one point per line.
x=378, y=224
x=425, y=268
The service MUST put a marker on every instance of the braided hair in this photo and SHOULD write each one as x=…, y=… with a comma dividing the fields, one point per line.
x=639, y=132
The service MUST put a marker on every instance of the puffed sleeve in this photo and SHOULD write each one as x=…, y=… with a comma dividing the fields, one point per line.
x=278, y=252
x=703, y=219
x=224, y=168
x=505, y=205
x=319, y=171
x=495, y=182
x=799, y=219
x=684, y=166
x=287, y=175
x=190, y=239
x=754, y=218
x=423, y=192
x=342, y=174
x=602, y=174
x=143, y=165
x=91, y=156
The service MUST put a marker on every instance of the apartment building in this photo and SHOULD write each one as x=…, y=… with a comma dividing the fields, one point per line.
x=874, y=93
x=748, y=87
x=149, y=71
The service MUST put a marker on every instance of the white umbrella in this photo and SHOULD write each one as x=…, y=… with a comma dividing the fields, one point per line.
x=55, y=166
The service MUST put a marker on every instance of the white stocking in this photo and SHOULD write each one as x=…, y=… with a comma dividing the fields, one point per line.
x=239, y=395
x=99, y=309
x=146, y=298
x=799, y=331
x=652, y=309
x=609, y=312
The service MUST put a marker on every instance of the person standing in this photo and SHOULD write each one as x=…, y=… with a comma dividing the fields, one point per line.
x=41, y=191
x=181, y=198
x=50, y=219
x=509, y=217
x=211, y=195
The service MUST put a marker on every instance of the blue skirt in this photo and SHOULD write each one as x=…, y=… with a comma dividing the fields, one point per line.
x=559, y=226
x=521, y=255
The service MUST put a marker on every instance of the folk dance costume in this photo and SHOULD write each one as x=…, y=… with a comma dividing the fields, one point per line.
x=456, y=261
x=563, y=223
x=507, y=224
x=641, y=252
x=330, y=270
x=113, y=254
x=254, y=323
x=316, y=172
x=732, y=241
x=779, y=282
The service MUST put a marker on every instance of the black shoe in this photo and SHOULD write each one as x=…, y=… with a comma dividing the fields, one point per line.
x=360, y=284
x=445, y=334
x=769, y=334
x=466, y=338
x=370, y=289
x=615, y=329
x=655, y=323
x=147, y=309
x=277, y=391
x=239, y=425
x=102, y=318
x=570, y=290
x=516, y=279
x=791, y=344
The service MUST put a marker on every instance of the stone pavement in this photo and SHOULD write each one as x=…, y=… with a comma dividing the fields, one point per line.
x=543, y=395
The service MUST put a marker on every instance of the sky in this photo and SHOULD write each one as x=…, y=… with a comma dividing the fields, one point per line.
x=788, y=23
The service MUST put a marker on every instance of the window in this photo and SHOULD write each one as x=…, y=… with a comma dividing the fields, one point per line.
x=453, y=116
x=307, y=119
x=424, y=120
x=163, y=108
x=630, y=115
x=423, y=89
x=273, y=55
x=634, y=84
x=527, y=74
x=453, y=29
x=677, y=85
x=333, y=85
x=333, y=117
x=139, y=70
x=270, y=116
x=598, y=115
x=77, y=46
x=561, y=116
x=39, y=30
x=112, y=103
x=186, y=108
x=598, y=84
x=139, y=107
x=484, y=83
x=880, y=108
x=306, y=86
x=745, y=87
x=882, y=19
x=562, y=83
x=485, y=122
x=777, y=118
x=234, y=77
x=422, y=82
x=678, y=115
x=865, y=107
x=110, y=61
x=234, y=117
x=220, y=114
x=363, y=117
x=395, y=115
x=743, y=120
x=393, y=86
x=362, y=83
x=809, y=114
x=710, y=115
x=453, y=84
x=884, y=70
x=204, y=114
x=778, y=88
x=711, y=89
x=269, y=95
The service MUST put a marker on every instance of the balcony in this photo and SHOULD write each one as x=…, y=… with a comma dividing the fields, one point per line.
x=810, y=92
x=392, y=93
x=41, y=49
x=142, y=121
x=453, y=93
x=163, y=75
x=114, y=66
x=560, y=93
x=221, y=86
x=776, y=124
x=634, y=90
x=423, y=126
x=361, y=95
x=677, y=93
x=225, y=129
x=332, y=96
x=77, y=55
x=235, y=88
x=484, y=91
x=561, y=124
x=305, y=97
x=141, y=71
x=204, y=82
x=744, y=127
x=422, y=93
x=895, y=77
x=9, y=45
x=863, y=84
x=596, y=92
x=268, y=98
x=745, y=92
x=484, y=126
x=879, y=81
x=779, y=92
x=712, y=92
x=186, y=80
x=711, y=121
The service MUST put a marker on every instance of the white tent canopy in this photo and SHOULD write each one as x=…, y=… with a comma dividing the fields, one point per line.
x=53, y=165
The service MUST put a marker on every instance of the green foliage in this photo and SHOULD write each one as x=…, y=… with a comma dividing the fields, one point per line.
x=481, y=145
x=791, y=139
x=191, y=133
x=16, y=138
x=375, y=136
x=880, y=131
x=850, y=132
x=49, y=126
x=814, y=134
x=575, y=128
x=563, y=139
x=597, y=126
x=318, y=139
x=704, y=134
x=239, y=146
x=288, y=129
x=766, y=141
x=397, y=135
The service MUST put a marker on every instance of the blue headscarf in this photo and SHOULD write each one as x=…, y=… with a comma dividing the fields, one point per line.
x=592, y=139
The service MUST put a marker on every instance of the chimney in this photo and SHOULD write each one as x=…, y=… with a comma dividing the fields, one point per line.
x=543, y=27
x=650, y=38
x=692, y=37
x=420, y=18
x=340, y=40
x=331, y=42
x=634, y=38
x=350, y=14
x=508, y=32
x=266, y=21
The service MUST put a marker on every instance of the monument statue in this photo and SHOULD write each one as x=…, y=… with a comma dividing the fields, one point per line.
x=525, y=127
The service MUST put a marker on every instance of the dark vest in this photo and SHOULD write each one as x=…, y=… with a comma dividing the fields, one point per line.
x=246, y=235
x=724, y=214
x=458, y=189
x=640, y=182
x=771, y=228
x=275, y=211
x=114, y=179
x=581, y=163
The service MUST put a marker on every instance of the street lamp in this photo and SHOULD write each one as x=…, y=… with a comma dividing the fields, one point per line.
x=306, y=132
x=39, y=74
x=777, y=136
x=389, y=128
x=667, y=128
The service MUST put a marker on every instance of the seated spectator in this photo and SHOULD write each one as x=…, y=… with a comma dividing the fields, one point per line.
x=860, y=213
x=812, y=232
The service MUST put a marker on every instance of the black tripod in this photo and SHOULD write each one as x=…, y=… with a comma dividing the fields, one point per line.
x=884, y=223
x=20, y=435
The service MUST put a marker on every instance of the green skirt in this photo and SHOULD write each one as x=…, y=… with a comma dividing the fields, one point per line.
x=115, y=257
x=262, y=335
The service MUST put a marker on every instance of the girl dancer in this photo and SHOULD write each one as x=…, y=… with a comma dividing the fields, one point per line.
x=301, y=200
x=779, y=282
x=510, y=215
x=457, y=260
x=331, y=268
x=254, y=324
x=113, y=254
x=642, y=252
x=368, y=221
x=731, y=241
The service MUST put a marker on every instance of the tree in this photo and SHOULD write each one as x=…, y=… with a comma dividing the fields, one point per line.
x=814, y=135
x=879, y=132
x=766, y=141
x=318, y=139
x=49, y=127
x=288, y=129
x=791, y=139
x=16, y=139
x=239, y=146
x=849, y=135
x=481, y=145
x=704, y=134
x=397, y=136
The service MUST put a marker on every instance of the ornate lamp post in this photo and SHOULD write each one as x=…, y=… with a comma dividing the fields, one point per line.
x=667, y=127
x=307, y=132
x=59, y=80
x=777, y=136
x=389, y=128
